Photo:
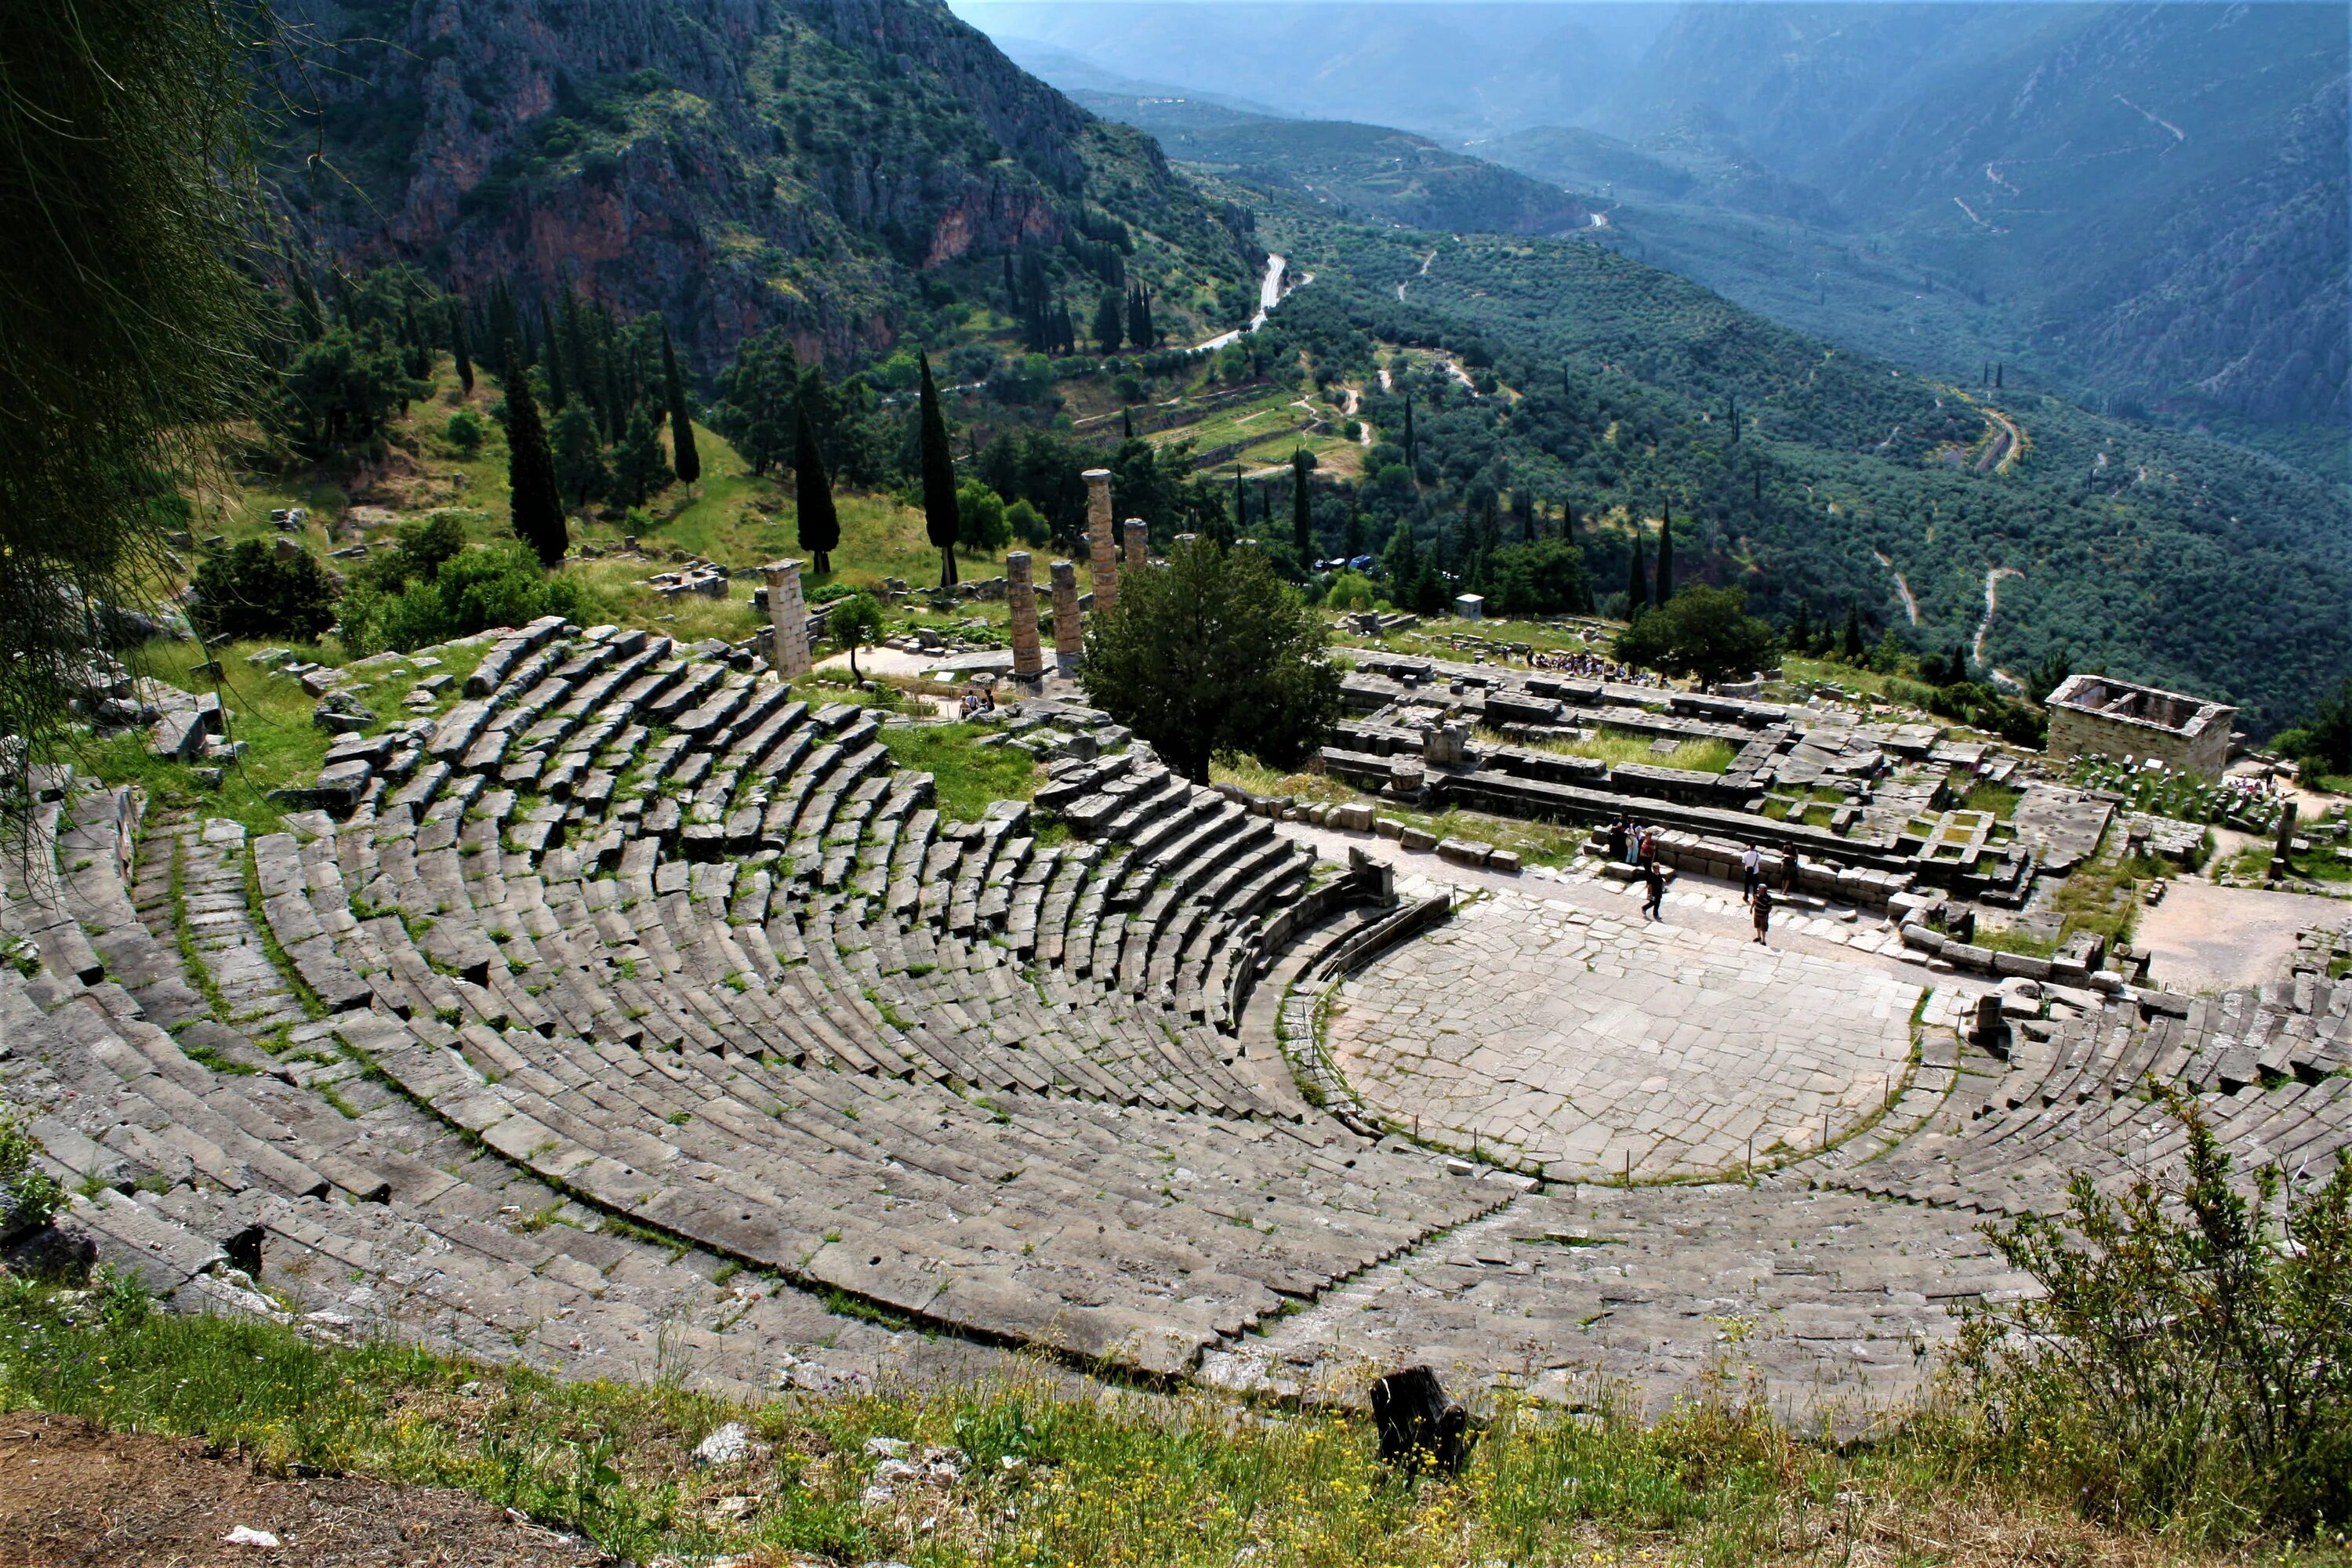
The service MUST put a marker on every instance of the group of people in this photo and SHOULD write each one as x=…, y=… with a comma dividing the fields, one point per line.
x=1636, y=844
x=1594, y=668
x=979, y=699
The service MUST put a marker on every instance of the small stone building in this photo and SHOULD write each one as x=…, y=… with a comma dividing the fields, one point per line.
x=2096, y=714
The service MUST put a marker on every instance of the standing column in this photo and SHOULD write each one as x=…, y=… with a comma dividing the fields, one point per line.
x=1020, y=594
x=1101, y=538
x=788, y=616
x=1069, y=639
x=1139, y=545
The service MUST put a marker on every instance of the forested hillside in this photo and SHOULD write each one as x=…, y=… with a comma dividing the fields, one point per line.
x=1566, y=373
x=837, y=168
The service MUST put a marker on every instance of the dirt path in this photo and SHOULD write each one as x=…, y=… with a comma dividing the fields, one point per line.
x=2008, y=445
x=1910, y=604
x=72, y=1493
x=2205, y=938
x=1353, y=409
x=1422, y=273
x=1992, y=603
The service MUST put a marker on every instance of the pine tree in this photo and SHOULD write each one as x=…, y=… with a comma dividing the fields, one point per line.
x=687, y=461
x=1666, y=555
x=819, y=524
x=1637, y=582
x=1110, y=322
x=1853, y=648
x=536, y=509
x=942, y=522
x=459, y=349
x=1302, y=514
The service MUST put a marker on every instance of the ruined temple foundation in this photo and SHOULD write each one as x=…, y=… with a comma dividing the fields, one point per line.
x=1021, y=594
x=788, y=616
x=1101, y=539
x=1069, y=638
x=1139, y=545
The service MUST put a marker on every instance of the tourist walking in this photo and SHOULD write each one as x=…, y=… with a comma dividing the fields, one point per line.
x=1655, y=880
x=1751, y=872
x=1761, y=902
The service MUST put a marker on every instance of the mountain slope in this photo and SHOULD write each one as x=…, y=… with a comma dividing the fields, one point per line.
x=732, y=163
x=1367, y=172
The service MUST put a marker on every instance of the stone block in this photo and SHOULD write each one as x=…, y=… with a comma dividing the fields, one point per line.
x=1388, y=827
x=1465, y=851
x=1503, y=860
x=1411, y=837
x=1354, y=818
x=2019, y=964
x=1968, y=955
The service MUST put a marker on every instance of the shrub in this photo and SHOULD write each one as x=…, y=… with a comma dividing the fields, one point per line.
x=501, y=585
x=1027, y=524
x=985, y=528
x=1351, y=591
x=2184, y=1366
x=28, y=1195
x=258, y=591
x=464, y=431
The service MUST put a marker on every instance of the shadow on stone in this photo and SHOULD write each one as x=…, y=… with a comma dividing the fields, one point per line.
x=1420, y=1425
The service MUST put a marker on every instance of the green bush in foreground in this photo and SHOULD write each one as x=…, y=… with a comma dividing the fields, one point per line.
x=2186, y=1365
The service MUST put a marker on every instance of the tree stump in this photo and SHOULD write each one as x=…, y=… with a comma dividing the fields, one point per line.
x=1419, y=1423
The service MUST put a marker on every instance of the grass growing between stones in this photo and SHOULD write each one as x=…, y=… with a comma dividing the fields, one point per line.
x=1618, y=747
x=1053, y=1469
x=965, y=777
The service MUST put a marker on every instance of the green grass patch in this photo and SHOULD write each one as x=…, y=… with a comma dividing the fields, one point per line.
x=1617, y=747
x=1057, y=1473
x=1998, y=800
x=966, y=778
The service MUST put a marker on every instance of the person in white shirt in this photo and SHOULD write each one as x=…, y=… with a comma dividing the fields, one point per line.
x=1751, y=872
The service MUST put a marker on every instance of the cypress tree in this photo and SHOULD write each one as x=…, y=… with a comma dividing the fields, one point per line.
x=1800, y=634
x=941, y=523
x=1527, y=510
x=1853, y=633
x=1241, y=505
x=1110, y=322
x=1735, y=419
x=1996, y=375
x=459, y=349
x=1302, y=517
x=1567, y=521
x=1666, y=555
x=536, y=509
x=1351, y=540
x=1127, y=424
x=683, y=456
x=1637, y=582
x=819, y=524
x=1412, y=453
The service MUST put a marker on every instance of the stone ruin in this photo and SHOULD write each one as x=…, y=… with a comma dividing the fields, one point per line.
x=631, y=1009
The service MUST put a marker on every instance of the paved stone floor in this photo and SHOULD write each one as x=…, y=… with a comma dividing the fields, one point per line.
x=1591, y=1044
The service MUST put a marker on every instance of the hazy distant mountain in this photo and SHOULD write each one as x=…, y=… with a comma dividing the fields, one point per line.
x=1443, y=69
x=2144, y=204
x=1366, y=173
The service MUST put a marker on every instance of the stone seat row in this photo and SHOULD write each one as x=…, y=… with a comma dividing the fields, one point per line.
x=2079, y=1098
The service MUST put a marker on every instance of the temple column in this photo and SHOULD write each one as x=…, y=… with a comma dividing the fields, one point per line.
x=1069, y=638
x=788, y=616
x=1102, y=538
x=1020, y=594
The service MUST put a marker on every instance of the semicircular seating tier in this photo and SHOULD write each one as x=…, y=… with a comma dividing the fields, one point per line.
x=676, y=944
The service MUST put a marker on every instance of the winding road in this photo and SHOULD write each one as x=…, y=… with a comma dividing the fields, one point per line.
x=1910, y=604
x=1269, y=295
x=1992, y=603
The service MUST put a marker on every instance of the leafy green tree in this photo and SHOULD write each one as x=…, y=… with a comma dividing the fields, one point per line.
x=1545, y=578
x=1026, y=523
x=1705, y=632
x=340, y=393
x=853, y=623
x=2048, y=673
x=684, y=458
x=579, y=446
x=1213, y=653
x=756, y=394
x=818, y=523
x=535, y=503
x=639, y=469
x=2323, y=742
x=985, y=531
x=941, y=524
x=257, y=590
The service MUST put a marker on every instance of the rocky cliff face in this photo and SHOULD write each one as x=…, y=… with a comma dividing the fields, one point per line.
x=731, y=163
